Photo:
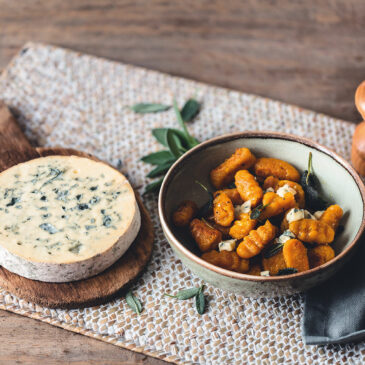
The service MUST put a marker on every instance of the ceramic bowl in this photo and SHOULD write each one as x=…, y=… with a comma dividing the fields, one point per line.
x=339, y=181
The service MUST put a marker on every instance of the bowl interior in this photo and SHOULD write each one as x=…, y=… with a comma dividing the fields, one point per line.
x=337, y=184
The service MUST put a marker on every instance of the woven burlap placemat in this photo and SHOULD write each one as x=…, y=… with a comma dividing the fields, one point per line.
x=63, y=98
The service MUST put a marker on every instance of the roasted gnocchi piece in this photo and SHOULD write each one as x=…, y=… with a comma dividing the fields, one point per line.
x=274, y=263
x=243, y=226
x=275, y=204
x=185, y=213
x=299, y=192
x=332, y=216
x=222, y=175
x=223, y=209
x=253, y=244
x=263, y=224
x=319, y=255
x=295, y=255
x=312, y=231
x=207, y=238
x=232, y=194
x=227, y=260
x=266, y=166
x=271, y=182
x=248, y=187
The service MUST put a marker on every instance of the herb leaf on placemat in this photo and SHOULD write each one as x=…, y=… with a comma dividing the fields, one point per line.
x=144, y=108
x=200, y=301
x=159, y=170
x=185, y=294
x=133, y=303
x=192, y=142
x=153, y=187
x=174, y=144
x=158, y=158
x=190, y=110
x=196, y=293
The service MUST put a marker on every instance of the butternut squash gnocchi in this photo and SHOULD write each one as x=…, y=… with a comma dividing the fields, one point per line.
x=260, y=219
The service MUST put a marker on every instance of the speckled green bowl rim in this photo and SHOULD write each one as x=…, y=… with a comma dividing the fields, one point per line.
x=265, y=135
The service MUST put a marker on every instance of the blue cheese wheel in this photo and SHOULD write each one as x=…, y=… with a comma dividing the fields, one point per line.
x=65, y=218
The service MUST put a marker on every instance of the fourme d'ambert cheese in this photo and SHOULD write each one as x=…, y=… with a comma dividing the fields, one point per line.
x=65, y=218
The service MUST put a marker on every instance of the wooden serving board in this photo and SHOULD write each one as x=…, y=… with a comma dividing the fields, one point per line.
x=14, y=149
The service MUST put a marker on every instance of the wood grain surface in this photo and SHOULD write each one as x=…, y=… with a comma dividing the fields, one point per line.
x=309, y=53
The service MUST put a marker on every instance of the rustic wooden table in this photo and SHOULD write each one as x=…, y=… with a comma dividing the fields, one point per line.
x=308, y=53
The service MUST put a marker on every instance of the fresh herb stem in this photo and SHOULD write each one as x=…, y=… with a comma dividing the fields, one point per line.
x=309, y=167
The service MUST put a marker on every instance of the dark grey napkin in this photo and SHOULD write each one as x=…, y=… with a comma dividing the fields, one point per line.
x=334, y=312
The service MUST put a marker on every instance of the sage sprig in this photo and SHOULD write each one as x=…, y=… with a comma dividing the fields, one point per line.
x=177, y=141
x=311, y=187
x=134, y=303
x=196, y=293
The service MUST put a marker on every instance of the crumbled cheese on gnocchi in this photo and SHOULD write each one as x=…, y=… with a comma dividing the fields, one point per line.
x=296, y=214
x=285, y=236
x=265, y=273
x=308, y=215
x=285, y=189
x=228, y=245
x=270, y=190
x=318, y=214
x=244, y=208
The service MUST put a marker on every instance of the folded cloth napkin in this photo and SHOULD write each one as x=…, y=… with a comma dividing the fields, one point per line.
x=334, y=312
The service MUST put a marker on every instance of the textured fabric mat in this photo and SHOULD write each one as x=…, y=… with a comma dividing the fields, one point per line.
x=63, y=98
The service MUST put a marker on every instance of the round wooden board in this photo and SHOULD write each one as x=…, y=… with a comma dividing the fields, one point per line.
x=93, y=291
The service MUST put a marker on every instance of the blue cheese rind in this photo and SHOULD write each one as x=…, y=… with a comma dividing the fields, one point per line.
x=65, y=218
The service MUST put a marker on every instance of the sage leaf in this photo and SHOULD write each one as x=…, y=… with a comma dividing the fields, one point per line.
x=174, y=143
x=144, y=108
x=256, y=212
x=185, y=294
x=311, y=186
x=153, y=187
x=190, y=110
x=191, y=140
x=161, y=135
x=159, y=170
x=158, y=158
x=200, y=301
x=287, y=271
x=273, y=250
x=208, y=206
x=133, y=303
